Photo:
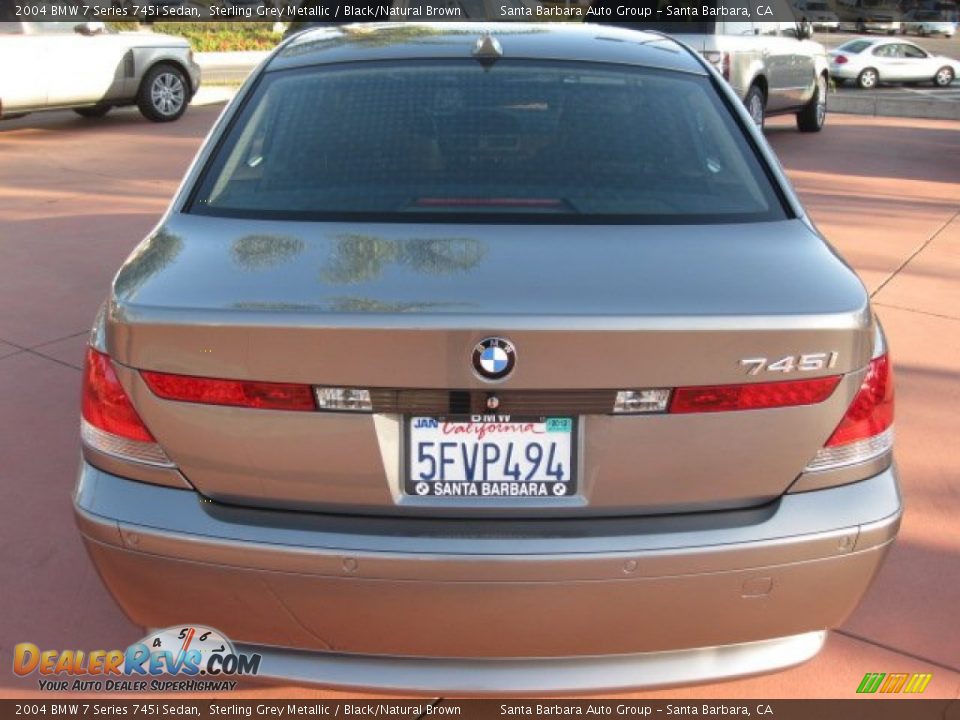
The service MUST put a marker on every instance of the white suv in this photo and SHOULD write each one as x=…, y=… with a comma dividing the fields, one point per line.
x=773, y=66
x=90, y=69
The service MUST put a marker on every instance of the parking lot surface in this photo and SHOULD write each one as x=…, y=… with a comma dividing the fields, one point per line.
x=76, y=196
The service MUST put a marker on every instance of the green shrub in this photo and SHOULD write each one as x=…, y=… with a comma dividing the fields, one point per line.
x=215, y=36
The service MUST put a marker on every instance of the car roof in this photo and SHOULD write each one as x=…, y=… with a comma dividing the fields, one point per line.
x=555, y=41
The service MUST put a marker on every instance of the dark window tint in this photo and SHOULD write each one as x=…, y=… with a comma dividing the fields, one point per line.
x=855, y=46
x=912, y=51
x=431, y=140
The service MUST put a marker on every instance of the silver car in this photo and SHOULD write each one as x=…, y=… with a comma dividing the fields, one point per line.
x=489, y=364
x=818, y=13
x=871, y=62
x=926, y=23
x=91, y=69
x=774, y=67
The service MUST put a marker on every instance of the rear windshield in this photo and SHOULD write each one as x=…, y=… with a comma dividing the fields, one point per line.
x=519, y=140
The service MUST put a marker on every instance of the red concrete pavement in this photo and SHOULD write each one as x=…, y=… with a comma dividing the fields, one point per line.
x=76, y=195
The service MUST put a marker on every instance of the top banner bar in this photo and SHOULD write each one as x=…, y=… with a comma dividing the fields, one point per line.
x=697, y=16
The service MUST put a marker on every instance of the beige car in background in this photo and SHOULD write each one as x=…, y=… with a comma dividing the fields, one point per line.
x=91, y=69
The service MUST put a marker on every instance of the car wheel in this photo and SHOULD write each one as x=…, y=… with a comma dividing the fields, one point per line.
x=814, y=115
x=868, y=79
x=944, y=77
x=97, y=111
x=891, y=32
x=164, y=94
x=756, y=102
x=861, y=28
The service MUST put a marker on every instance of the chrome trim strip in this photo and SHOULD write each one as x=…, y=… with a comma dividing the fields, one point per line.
x=536, y=676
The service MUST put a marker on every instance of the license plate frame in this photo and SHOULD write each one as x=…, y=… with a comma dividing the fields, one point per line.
x=491, y=489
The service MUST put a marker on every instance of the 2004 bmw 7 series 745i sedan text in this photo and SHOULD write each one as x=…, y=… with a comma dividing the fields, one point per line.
x=489, y=363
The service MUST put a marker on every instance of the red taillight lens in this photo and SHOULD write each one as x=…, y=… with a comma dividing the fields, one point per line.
x=105, y=404
x=871, y=411
x=720, y=60
x=755, y=396
x=840, y=60
x=238, y=393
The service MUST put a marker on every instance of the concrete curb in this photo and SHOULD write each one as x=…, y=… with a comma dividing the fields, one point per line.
x=213, y=95
x=890, y=107
x=248, y=59
x=228, y=67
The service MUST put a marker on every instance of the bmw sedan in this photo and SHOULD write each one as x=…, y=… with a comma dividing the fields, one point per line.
x=871, y=62
x=501, y=363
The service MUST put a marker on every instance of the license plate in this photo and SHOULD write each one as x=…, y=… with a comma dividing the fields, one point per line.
x=483, y=456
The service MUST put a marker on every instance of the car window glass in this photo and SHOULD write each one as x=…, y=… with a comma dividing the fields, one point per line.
x=886, y=51
x=522, y=138
x=854, y=46
x=912, y=51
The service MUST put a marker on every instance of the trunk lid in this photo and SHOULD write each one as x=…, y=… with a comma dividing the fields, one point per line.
x=399, y=307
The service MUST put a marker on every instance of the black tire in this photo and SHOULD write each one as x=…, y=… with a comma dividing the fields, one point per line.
x=861, y=28
x=756, y=103
x=814, y=115
x=868, y=79
x=164, y=93
x=97, y=111
x=944, y=77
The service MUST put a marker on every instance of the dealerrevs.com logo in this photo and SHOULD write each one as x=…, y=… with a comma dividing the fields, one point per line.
x=197, y=658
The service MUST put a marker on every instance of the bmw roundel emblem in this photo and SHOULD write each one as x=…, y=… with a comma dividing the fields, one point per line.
x=494, y=358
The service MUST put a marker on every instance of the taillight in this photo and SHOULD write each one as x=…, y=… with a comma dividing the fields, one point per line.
x=110, y=423
x=720, y=60
x=753, y=396
x=866, y=430
x=841, y=60
x=236, y=393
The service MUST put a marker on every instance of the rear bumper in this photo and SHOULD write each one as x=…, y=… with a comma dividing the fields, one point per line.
x=844, y=72
x=497, y=606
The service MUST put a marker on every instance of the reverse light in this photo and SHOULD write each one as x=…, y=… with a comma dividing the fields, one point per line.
x=866, y=430
x=110, y=423
x=350, y=399
x=753, y=396
x=641, y=401
x=236, y=393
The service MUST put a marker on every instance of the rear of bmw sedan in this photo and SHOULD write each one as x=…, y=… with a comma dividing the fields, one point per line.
x=502, y=363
